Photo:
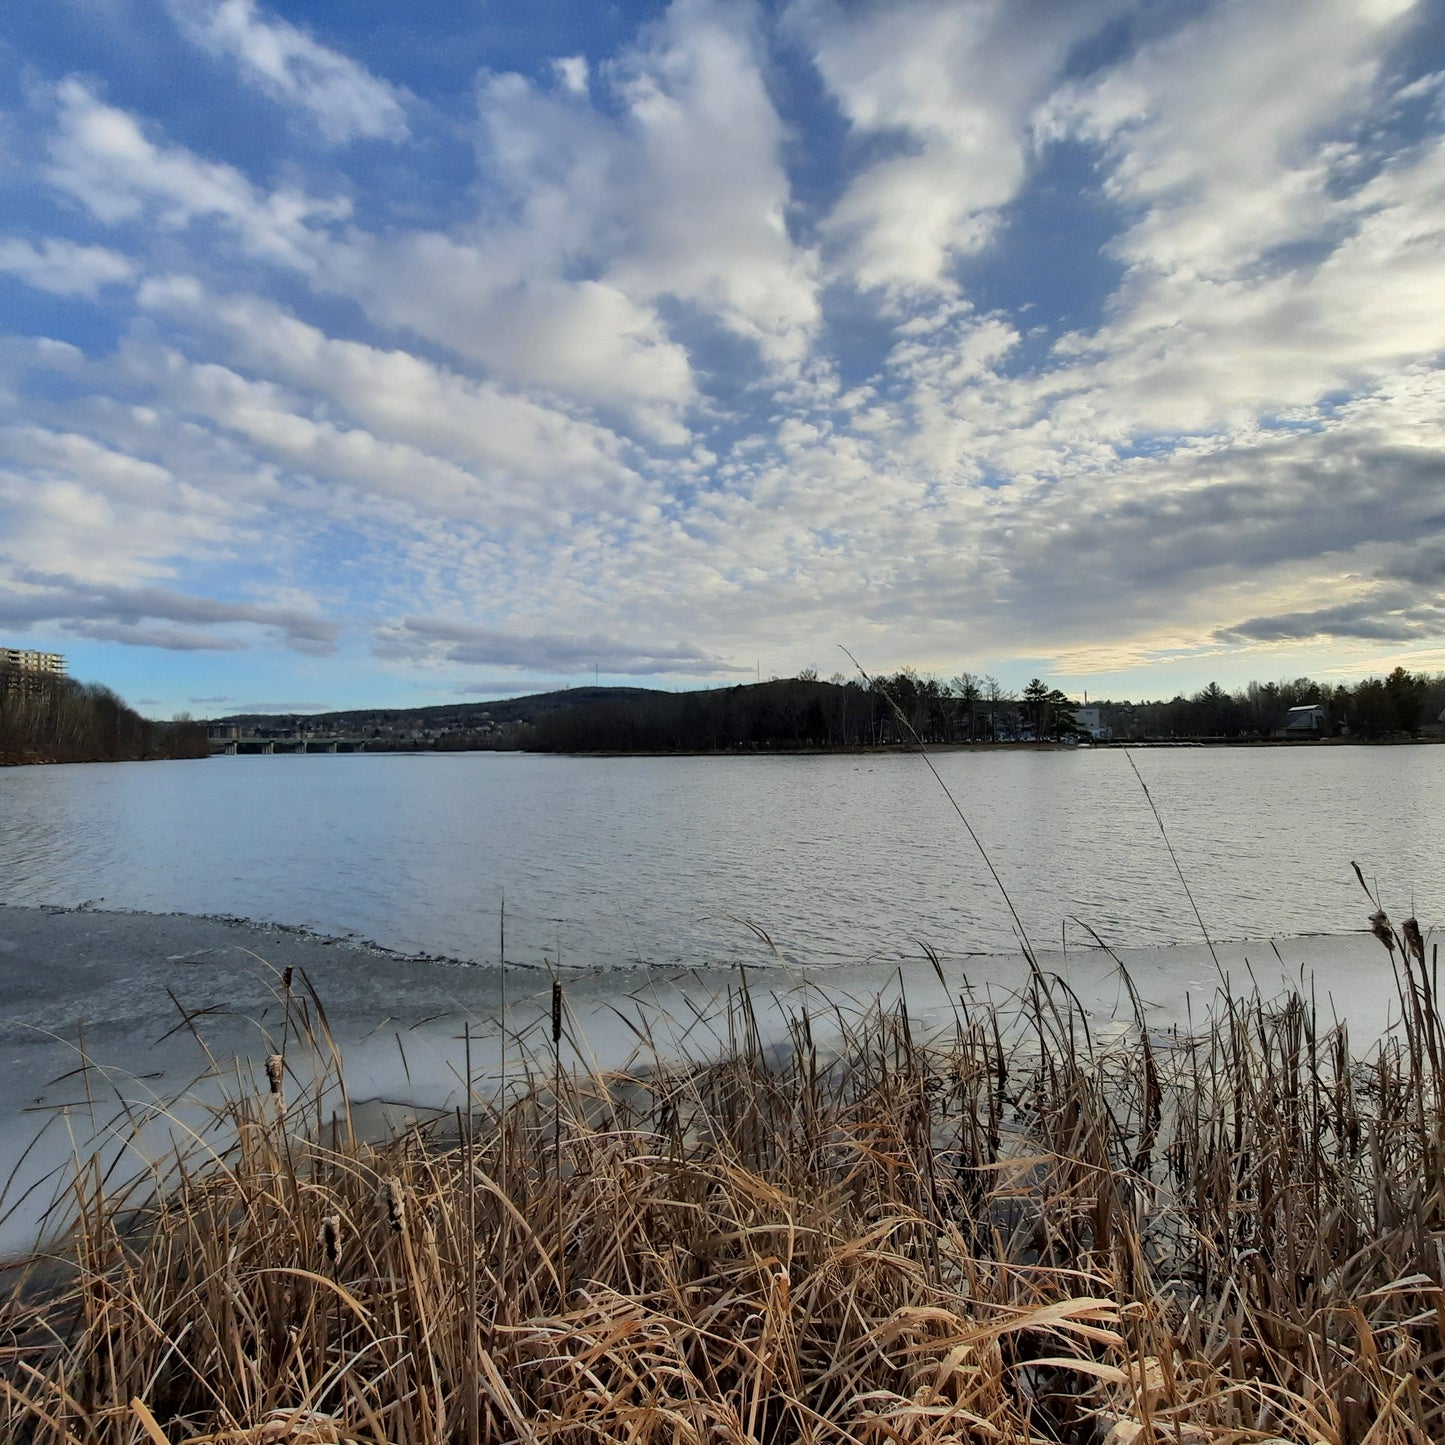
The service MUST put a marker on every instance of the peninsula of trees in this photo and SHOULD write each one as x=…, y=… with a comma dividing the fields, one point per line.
x=54, y=719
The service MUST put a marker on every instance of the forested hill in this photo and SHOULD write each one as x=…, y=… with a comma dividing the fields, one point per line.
x=458, y=723
x=789, y=713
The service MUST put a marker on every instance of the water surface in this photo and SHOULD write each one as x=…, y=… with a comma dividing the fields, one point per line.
x=698, y=860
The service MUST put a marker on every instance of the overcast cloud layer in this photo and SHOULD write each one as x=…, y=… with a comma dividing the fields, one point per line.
x=398, y=354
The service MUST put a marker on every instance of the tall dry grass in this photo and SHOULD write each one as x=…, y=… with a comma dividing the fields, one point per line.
x=864, y=1236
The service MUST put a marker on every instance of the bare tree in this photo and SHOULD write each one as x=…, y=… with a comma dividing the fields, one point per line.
x=969, y=692
x=997, y=697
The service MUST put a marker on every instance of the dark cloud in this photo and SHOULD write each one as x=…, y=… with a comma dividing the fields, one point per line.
x=1388, y=615
x=173, y=639
x=1085, y=554
x=130, y=615
x=1425, y=566
x=473, y=645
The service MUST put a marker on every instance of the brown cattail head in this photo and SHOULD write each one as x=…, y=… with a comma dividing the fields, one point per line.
x=1380, y=927
x=1414, y=941
x=330, y=1239
x=276, y=1077
x=393, y=1203
x=286, y=979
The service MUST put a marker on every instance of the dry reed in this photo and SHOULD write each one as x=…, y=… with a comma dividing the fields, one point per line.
x=1230, y=1237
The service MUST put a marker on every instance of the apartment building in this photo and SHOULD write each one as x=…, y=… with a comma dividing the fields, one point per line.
x=21, y=668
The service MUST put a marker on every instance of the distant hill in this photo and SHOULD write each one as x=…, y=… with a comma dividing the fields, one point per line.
x=447, y=717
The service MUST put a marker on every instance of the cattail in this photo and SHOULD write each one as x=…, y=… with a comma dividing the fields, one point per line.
x=276, y=1077
x=330, y=1239
x=393, y=1203
x=1414, y=941
x=286, y=979
x=1380, y=927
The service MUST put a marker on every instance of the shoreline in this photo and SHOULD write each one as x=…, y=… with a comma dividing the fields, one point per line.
x=907, y=749
x=106, y=1009
x=122, y=980
x=108, y=966
x=852, y=750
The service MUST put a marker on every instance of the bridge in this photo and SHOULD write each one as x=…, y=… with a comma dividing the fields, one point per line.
x=231, y=747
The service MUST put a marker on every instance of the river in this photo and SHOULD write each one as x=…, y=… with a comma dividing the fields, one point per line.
x=717, y=860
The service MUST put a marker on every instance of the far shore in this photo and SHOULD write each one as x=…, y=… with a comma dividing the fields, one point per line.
x=886, y=749
x=882, y=749
x=893, y=749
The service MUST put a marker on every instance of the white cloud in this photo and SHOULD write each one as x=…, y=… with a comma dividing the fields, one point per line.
x=101, y=156
x=1214, y=328
x=482, y=445
x=503, y=300
x=64, y=267
x=572, y=73
x=340, y=96
x=949, y=85
x=600, y=217
x=708, y=202
x=586, y=341
x=76, y=506
x=1212, y=134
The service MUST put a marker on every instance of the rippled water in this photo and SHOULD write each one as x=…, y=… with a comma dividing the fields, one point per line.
x=613, y=860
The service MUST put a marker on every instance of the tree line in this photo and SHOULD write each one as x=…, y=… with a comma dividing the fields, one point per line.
x=1399, y=704
x=903, y=707
x=45, y=719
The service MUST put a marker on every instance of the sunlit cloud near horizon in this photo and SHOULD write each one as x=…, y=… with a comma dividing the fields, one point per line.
x=393, y=355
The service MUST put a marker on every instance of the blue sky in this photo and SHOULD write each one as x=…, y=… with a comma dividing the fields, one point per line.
x=364, y=353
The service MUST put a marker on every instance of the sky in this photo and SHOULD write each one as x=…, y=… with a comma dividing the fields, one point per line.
x=359, y=353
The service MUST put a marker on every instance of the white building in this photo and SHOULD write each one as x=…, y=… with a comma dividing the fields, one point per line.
x=1309, y=718
x=23, y=660
x=24, y=673
x=1089, y=719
